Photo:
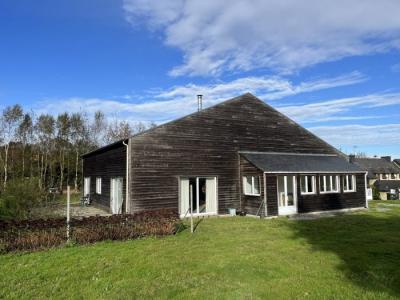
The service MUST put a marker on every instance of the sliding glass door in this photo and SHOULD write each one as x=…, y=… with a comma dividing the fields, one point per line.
x=198, y=195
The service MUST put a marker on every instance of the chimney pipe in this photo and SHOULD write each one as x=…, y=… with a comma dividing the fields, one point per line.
x=352, y=158
x=199, y=102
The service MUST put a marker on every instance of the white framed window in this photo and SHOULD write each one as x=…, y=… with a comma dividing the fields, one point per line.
x=393, y=176
x=384, y=176
x=98, y=185
x=349, y=183
x=86, y=186
x=251, y=185
x=329, y=184
x=307, y=184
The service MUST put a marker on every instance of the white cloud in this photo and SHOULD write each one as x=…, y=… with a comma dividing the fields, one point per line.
x=331, y=109
x=217, y=35
x=163, y=105
x=360, y=135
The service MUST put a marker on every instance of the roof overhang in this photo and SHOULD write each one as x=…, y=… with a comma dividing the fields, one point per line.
x=283, y=163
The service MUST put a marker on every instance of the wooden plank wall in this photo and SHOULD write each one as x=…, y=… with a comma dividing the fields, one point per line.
x=331, y=201
x=107, y=164
x=207, y=143
x=251, y=204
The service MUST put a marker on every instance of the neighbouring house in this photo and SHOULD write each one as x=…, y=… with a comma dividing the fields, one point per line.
x=383, y=175
x=240, y=154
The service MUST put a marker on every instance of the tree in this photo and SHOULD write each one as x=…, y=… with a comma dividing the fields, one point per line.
x=11, y=117
x=98, y=129
x=63, y=125
x=45, y=131
x=25, y=132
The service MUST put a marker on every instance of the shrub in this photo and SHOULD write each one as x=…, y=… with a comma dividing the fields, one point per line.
x=18, y=199
x=375, y=194
x=46, y=233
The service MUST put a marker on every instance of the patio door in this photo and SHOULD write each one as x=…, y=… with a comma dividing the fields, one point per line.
x=116, y=199
x=198, y=194
x=287, y=195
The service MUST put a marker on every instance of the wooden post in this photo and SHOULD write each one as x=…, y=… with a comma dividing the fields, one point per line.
x=191, y=208
x=68, y=209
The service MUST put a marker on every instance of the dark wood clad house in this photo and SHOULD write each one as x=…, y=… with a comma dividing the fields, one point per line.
x=240, y=154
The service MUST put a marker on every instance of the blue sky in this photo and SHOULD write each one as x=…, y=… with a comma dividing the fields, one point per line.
x=334, y=68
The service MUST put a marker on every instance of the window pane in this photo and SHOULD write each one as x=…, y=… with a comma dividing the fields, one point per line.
x=248, y=185
x=281, y=190
x=310, y=184
x=290, y=190
x=303, y=184
x=256, y=185
x=350, y=182
x=328, y=183
x=334, y=183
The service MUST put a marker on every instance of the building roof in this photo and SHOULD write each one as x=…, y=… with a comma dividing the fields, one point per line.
x=300, y=163
x=376, y=166
x=387, y=185
x=105, y=148
x=397, y=162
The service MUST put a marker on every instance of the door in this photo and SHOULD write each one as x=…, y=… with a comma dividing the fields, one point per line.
x=116, y=199
x=287, y=195
x=198, y=195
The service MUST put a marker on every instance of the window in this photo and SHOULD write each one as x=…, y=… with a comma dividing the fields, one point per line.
x=307, y=183
x=329, y=184
x=349, y=183
x=251, y=185
x=384, y=176
x=86, y=186
x=392, y=176
x=98, y=185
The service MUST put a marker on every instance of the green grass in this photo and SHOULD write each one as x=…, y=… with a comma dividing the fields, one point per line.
x=345, y=257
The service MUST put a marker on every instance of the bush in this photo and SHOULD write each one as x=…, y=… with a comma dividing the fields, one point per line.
x=18, y=199
x=375, y=194
x=46, y=233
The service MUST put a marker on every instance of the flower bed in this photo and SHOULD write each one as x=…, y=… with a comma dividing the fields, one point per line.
x=38, y=234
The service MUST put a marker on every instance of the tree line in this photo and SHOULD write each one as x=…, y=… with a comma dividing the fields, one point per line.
x=49, y=147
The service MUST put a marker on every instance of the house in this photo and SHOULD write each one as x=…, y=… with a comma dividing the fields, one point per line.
x=383, y=175
x=240, y=154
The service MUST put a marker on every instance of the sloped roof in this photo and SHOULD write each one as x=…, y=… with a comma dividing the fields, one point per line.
x=387, y=185
x=300, y=163
x=376, y=166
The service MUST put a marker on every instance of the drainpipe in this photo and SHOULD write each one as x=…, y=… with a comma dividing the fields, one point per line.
x=127, y=200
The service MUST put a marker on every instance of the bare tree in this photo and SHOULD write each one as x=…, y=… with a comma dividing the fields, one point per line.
x=25, y=131
x=11, y=117
x=63, y=125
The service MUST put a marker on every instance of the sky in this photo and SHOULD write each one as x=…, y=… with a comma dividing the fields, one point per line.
x=332, y=66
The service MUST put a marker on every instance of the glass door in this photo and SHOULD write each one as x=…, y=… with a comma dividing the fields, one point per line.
x=199, y=195
x=287, y=196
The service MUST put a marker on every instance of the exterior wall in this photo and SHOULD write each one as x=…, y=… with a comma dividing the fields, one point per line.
x=108, y=164
x=207, y=144
x=383, y=195
x=331, y=201
x=251, y=204
x=272, y=195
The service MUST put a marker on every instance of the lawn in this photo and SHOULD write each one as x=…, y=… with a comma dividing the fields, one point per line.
x=344, y=257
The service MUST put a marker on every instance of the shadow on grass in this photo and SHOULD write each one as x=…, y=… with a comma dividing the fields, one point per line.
x=367, y=245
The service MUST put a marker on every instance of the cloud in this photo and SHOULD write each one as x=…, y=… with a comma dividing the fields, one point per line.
x=331, y=109
x=216, y=36
x=164, y=105
x=360, y=135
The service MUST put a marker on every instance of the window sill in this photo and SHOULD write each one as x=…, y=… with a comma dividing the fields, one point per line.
x=307, y=194
x=349, y=191
x=333, y=192
x=253, y=195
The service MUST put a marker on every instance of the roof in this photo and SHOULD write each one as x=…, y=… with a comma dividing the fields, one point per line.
x=397, y=162
x=246, y=97
x=105, y=148
x=387, y=185
x=300, y=163
x=376, y=166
